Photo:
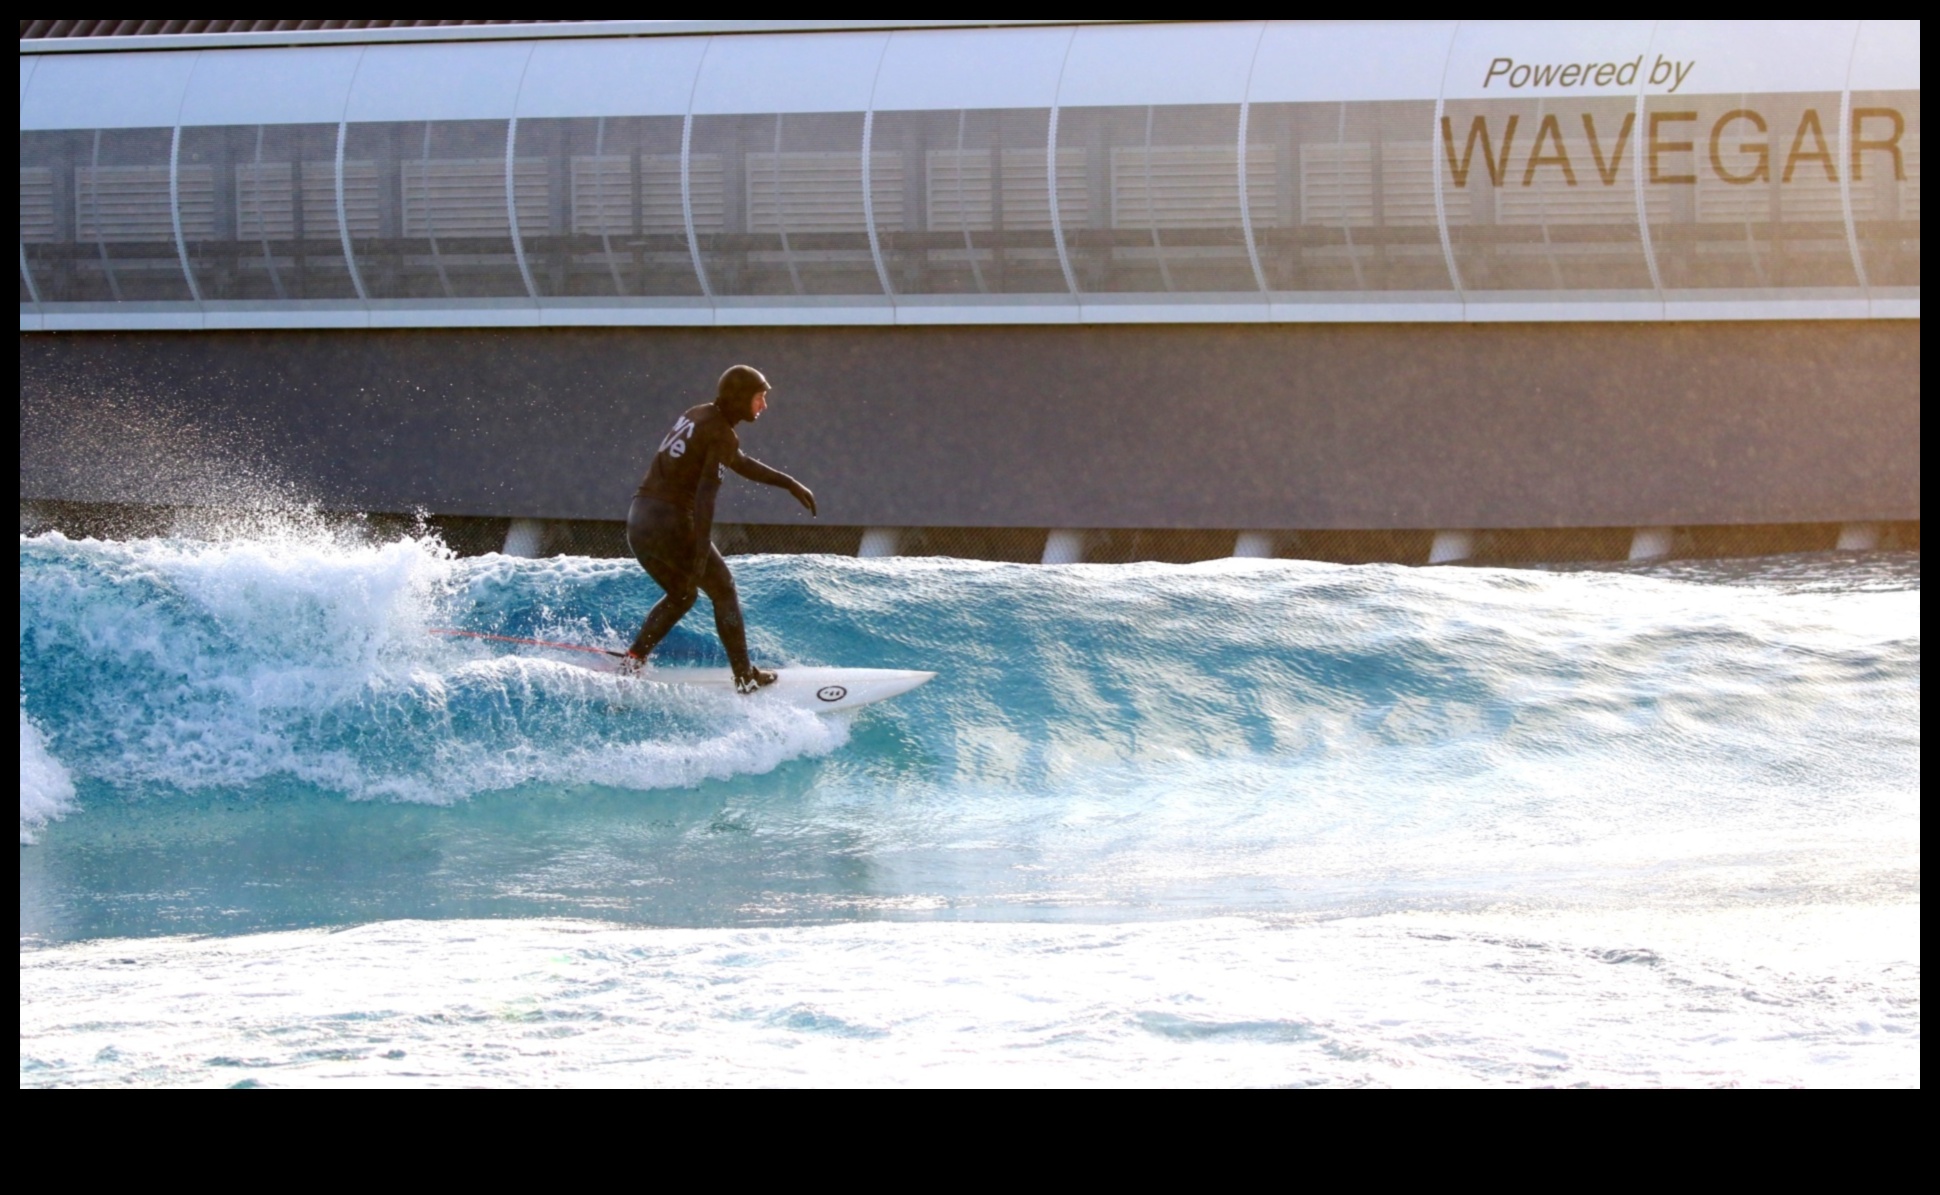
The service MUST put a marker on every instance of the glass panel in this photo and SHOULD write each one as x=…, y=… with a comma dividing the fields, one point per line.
x=1150, y=198
x=427, y=211
x=973, y=215
x=95, y=220
x=1541, y=194
x=207, y=182
x=1751, y=191
x=1742, y=193
x=1351, y=204
x=290, y=245
x=1886, y=184
x=975, y=212
x=270, y=232
x=611, y=224
x=45, y=235
x=919, y=258
x=792, y=212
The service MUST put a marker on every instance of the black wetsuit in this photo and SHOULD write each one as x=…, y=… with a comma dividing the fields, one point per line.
x=672, y=518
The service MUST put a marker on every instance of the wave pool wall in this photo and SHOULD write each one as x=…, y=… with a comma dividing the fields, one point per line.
x=1321, y=427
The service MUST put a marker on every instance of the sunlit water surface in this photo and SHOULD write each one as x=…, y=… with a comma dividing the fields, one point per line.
x=1260, y=822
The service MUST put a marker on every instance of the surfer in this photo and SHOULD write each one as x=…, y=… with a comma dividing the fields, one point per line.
x=670, y=523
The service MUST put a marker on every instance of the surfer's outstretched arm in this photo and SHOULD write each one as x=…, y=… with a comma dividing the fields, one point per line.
x=754, y=470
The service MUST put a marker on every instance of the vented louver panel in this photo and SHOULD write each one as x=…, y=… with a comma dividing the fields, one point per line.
x=959, y=189
x=1720, y=201
x=1550, y=198
x=1337, y=184
x=603, y=195
x=1408, y=187
x=360, y=199
x=821, y=192
x=129, y=204
x=1807, y=198
x=265, y=203
x=196, y=197
x=960, y=194
x=1179, y=186
x=465, y=197
x=36, y=205
x=707, y=185
x=1811, y=197
x=1027, y=193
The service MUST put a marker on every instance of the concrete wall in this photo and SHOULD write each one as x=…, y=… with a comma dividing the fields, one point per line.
x=1272, y=427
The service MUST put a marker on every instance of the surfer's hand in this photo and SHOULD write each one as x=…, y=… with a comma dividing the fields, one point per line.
x=806, y=497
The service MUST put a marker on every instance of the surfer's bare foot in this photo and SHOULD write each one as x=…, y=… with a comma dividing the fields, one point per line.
x=631, y=664
x=753, y=679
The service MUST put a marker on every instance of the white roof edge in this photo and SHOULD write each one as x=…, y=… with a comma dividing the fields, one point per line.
x=1247, y=309
x=451, y=33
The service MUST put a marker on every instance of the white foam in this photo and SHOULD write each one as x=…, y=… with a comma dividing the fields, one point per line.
x=46, y=790
x=308, y=656
x=745, y=739
x=1807, y=995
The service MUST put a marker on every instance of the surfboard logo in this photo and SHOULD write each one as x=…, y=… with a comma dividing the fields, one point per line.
x=831, y=692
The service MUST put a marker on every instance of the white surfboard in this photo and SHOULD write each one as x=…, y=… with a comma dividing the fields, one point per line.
x=823, y=690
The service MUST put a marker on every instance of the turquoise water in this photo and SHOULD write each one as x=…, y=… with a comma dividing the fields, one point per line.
x=1238, y=822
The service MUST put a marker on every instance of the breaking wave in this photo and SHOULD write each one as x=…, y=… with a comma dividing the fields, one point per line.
x=1101, y=741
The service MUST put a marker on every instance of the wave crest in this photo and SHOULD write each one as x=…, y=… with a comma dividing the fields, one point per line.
x=194, y=665
x=46, y=790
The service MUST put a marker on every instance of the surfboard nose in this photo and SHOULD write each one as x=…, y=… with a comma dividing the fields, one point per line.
x=848, y=688
x=903, y=682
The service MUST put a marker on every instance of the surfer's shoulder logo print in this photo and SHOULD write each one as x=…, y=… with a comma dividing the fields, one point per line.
x=676, y=442
x=831, y=693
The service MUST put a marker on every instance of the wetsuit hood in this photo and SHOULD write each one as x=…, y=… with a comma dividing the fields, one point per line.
x=734, y=397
